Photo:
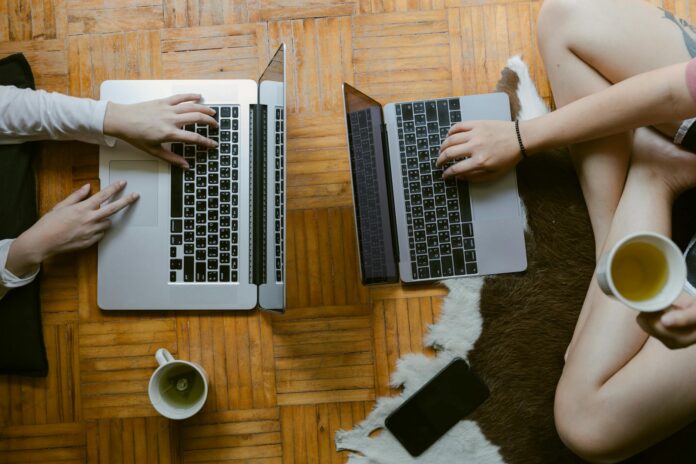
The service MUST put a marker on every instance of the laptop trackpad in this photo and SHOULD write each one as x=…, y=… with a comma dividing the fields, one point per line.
x=142, y=178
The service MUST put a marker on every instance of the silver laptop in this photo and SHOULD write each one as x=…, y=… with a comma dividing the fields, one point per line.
x=411, y=223
x=213, y=236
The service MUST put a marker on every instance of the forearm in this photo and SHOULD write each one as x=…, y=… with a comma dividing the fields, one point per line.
x=27, y=115
x=655, y=97
x=16, y=270
x=24, y=256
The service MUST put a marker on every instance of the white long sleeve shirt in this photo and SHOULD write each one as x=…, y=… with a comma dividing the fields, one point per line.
x=27, y=115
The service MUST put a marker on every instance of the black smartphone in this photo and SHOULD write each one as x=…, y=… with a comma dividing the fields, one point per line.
x=429, y=413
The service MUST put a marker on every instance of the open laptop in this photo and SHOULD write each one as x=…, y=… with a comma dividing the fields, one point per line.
x=212, y=237
x=411, y=223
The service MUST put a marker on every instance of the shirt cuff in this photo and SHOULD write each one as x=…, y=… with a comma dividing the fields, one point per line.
x=7, y=278
x=98, y=115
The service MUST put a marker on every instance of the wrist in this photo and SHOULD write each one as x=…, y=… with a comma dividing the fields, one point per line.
x=25, y=255
x=113, y=119
x=531, y=135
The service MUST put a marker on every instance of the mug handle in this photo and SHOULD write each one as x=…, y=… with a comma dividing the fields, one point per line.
x=601, y=272
x=163, y=357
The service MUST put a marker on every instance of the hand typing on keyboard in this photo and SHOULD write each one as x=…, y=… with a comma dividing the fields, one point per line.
x=149, y=124
x=481, y=150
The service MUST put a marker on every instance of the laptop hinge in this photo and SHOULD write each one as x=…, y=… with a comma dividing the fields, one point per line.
x=390, y=194
x=258, y=206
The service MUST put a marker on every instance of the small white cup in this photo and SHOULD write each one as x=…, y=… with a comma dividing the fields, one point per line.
x=676, y=272
x=167, y=364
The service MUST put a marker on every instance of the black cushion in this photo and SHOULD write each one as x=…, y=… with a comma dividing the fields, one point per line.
x=22, y=349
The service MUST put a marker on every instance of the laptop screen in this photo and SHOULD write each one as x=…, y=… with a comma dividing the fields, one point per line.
x=369, y=170
x=271, y=136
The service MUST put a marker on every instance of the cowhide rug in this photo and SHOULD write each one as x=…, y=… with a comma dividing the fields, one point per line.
x=514, y=329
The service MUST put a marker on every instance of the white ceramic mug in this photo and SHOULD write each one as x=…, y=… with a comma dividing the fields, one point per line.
x=181, y=376
x=673, y=284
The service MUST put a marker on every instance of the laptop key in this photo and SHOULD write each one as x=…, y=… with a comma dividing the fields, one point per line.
x=431, y=111
x=172, y=276
x=435, y=269
x=471, y=268
x=175, y=240
x=469, y=244
x=175, y=264
x=224, y=273
x=200, y=272
x=188, y=269
x=443, y=113
x=407, y=111
x=459, y=263
x=447, y=266
x=176, y=191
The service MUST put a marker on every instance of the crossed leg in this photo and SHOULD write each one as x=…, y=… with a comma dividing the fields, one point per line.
x=620, y=391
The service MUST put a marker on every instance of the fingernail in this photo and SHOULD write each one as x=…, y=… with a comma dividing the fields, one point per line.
x=135, y=195
x=215, y=144
x=84, y=187
x=668, y=319
x=186, y=166
x=121, y=183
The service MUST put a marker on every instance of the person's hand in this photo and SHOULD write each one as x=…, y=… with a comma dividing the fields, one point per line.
x=149, y=124
x=674, y=327
x=75, y=223
x=480, y=150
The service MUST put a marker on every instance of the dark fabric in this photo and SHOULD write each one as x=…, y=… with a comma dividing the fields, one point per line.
x=22, y=349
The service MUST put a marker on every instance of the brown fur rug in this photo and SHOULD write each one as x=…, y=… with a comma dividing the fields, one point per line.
x=528, y=318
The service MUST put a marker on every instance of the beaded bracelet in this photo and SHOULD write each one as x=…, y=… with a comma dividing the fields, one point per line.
x=519, y=138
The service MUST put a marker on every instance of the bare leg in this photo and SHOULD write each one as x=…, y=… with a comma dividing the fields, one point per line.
x=587, y=45
x=621, y=392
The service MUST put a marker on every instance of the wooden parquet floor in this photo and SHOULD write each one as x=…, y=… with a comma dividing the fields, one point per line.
x=280, y=385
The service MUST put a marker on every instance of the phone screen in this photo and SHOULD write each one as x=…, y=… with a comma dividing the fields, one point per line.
x=442, y=402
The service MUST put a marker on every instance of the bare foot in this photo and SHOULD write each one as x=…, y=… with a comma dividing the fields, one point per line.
x=661, y=160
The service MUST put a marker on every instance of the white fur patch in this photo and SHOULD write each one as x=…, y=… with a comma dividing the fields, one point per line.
x=452, y=336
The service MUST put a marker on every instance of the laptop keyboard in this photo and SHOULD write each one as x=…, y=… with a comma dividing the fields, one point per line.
x=438, y=212
x=369, y=208
x=279, y=189
x=204, y=235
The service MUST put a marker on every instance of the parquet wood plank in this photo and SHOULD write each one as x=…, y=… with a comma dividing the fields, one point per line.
x=324, y=358
x=139, y=440
x=97, y=17
x=32, y=20
x=251, y=435
x=22, y=444
x=108, y=350
x=308, y=431
x=316, y=63
x=237, y=352
x=213, y=52
x=398, y=56
x=399, y=326
x=96, y=58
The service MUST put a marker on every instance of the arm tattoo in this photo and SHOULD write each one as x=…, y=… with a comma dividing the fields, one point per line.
x=688, y=32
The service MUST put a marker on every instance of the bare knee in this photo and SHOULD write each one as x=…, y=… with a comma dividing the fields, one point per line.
x=585, y=426
x=558, y=17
